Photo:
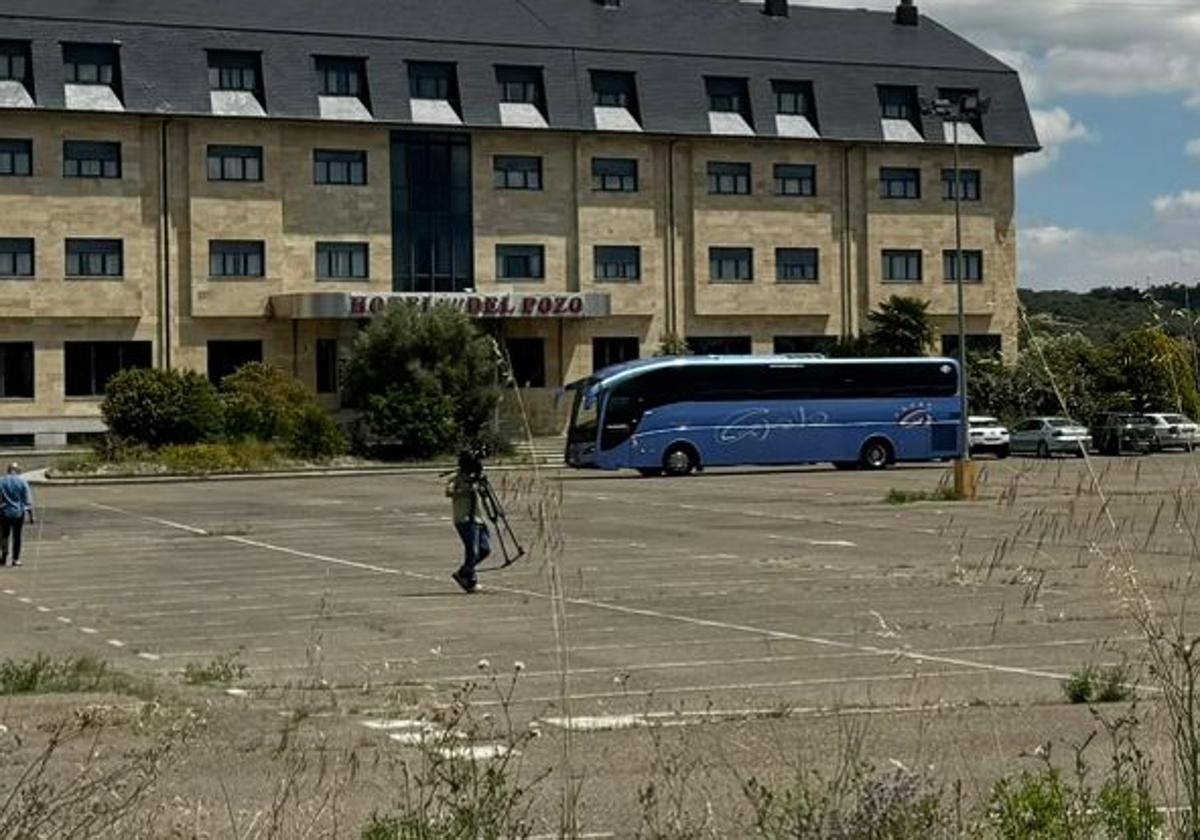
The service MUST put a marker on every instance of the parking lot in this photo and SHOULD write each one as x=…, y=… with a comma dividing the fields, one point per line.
x=720, y=599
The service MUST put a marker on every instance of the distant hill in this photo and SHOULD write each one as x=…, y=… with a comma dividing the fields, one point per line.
x=1105, y=314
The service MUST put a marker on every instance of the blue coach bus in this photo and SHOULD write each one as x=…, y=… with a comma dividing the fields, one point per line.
x=677, y=415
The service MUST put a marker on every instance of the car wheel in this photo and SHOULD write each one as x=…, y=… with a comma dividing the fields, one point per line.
x=679, y=460
x=650, y=472
x=1002, y=452
x=1043, y=451
x=876, y=455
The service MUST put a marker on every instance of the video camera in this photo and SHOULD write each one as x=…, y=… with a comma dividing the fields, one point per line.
x=470, y=462
x=470, y=465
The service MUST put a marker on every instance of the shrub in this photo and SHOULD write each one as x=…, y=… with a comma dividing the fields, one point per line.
x=1034, y=806
x=417, y=422
x=262, y=402
x=162, y=407
x=1090, y=684
x=1081, y=685
x=315, y=436
x=206, y=458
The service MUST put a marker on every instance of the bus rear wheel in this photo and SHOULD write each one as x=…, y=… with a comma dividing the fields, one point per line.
x=876, y=455
x=680, y=460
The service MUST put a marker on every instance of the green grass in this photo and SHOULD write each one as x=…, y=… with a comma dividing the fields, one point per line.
x=908, y=497
x=43, y=675
x=225, y=670
x=1090, y=684
x=190, y=459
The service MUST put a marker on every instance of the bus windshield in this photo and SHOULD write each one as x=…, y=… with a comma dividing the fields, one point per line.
x=585, y=415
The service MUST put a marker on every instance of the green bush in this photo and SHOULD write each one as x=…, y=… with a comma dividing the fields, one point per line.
x=315, y=437
x=262, y=402
x=415, y=422
x=1034, y=806
x=162, y=407
x=207, y=458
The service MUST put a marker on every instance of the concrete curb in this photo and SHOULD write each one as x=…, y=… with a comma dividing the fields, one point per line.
x=364, y=472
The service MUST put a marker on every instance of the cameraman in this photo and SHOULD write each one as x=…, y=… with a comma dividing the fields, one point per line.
x=468, y=519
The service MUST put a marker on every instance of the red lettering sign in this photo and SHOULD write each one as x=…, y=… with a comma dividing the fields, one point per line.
x=377, y=305
x=575, y=306
x=358, y=305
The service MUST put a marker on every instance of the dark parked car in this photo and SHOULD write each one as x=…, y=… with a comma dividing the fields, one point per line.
x=1118, y=433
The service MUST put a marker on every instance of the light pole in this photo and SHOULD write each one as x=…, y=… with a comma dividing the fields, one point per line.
x=958, y=110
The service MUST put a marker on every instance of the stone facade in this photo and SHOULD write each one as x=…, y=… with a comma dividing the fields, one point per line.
x=166, y=211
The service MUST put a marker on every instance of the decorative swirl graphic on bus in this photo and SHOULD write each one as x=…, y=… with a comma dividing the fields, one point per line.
x=749, y=425
x=920, y=414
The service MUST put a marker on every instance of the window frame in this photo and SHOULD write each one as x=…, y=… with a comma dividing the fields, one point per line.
x=224, y=153
x=519, y=173
x=805, y=174
x=720, y=257
x=440, y=73
x=239, y=259
x=629, y=266
x=357, y=256
x=972, y=258
x=14, y=149
x=27, y=361
x=625, y=182
x=906, y=175
x=615, y=89
x=12, y=252
x=727, y=95
x=539, y=369
x=534, y=254
x=719, y=173
x=892, y=108
x=351, y=160
x=891, y=256
x=969, y=180
x=341, y=76
x=143, y=350
x=105, y=155
x=525, y=77
x=108, y=251
x=806, y=277
x=102, y=60
x=12, y=51
x=326, y=378
x=797, y=91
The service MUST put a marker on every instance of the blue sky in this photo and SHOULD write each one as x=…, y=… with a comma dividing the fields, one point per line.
x=1114, y=85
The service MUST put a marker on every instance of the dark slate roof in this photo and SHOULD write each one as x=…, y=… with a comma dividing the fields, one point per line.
x=670, y=44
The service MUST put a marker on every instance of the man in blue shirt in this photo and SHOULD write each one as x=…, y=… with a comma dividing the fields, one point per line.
x=16, y=501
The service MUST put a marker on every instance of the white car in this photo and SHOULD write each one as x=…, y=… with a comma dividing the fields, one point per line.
x=1174, y=430
x=988, y=435
x=1046, y=436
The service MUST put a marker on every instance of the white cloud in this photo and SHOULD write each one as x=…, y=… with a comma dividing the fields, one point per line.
x=1056, y=128
x=1192, y=149
x=1052, y=257
x=1051, y=237
x=1183, y=203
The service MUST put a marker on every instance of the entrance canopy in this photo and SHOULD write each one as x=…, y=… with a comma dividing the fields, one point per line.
x=309, y=306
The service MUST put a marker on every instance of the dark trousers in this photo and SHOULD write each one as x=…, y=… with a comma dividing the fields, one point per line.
x=476, y=546
x=13, y=527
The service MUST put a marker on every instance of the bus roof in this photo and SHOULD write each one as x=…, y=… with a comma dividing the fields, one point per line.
x=610, y=376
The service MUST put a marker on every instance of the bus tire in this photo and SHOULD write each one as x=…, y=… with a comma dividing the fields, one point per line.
x=876, y=454
x=680, y=459
x=845, y=465
x=650, y=472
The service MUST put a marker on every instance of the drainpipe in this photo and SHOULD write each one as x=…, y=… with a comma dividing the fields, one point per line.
x=847, y=274
x=165, y=240
x=671, y=322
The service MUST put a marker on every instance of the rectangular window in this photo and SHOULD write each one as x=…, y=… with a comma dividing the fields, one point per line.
x=967, y=106
x=90, y=364
x=430, y=80
x=614, y=351
x=90, y=64
x=796, y=265
x=341, y=76
x=969, y=185
x=225, y=357
x=16, y=157
x=898, y=103
x=727, y=95
x=343, y=261
x=728, y=178
x=614, y=89
x=618, y=263
x=520, y=262
x=972, y=266
x=978, y=344
x=513, y=172
x=528, y=359
x=793, y=98
x=91, y=159
x=730, y=265
x=16, y=370
x=795, y=179
x=791, y=344
x=16, y=258
x=614, y=174
x=348, y=168
x=235, y=163
x=230, y=70
x=235, y=258
x=722, y=345
x=14, y=61
x=899, y=183
x=95, y=258
x=327, y=366
x=520, y=85
x=902, y=266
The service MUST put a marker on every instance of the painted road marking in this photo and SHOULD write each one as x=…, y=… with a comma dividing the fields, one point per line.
x=91, y=631
x=42, y=609
x=117, y=643
x=892, y=653
x=149, y=657
x=64, y=619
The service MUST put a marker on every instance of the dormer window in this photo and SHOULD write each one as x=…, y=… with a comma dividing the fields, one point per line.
x=965, y=105
x=728, y=106
x=795, y=113
x=235, y=83
x=900, y=114
x=16, y=75
x=522, y=97
x=92, y=73
x=342, y=87
x=615, y=101
x=433, y=91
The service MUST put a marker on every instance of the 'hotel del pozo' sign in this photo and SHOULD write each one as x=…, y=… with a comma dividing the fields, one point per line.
x=488, y=306
x=325, y=305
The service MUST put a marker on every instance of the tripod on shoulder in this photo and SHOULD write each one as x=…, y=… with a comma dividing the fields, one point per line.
x=511, y=550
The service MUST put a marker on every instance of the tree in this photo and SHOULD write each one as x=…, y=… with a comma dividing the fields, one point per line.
x=426, y=379
x=901, y=327
x=1156, y=372
x=1085, y=376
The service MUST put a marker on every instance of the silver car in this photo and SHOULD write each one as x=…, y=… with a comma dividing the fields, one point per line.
x=1174, y=430
x=1046, y=436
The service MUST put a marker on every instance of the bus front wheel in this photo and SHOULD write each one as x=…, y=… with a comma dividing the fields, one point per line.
x=876, y=455
x=650, y=472
x=680, y=460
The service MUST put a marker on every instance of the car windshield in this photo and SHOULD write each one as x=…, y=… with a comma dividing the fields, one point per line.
x=1061, y=423
x=984, y=421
